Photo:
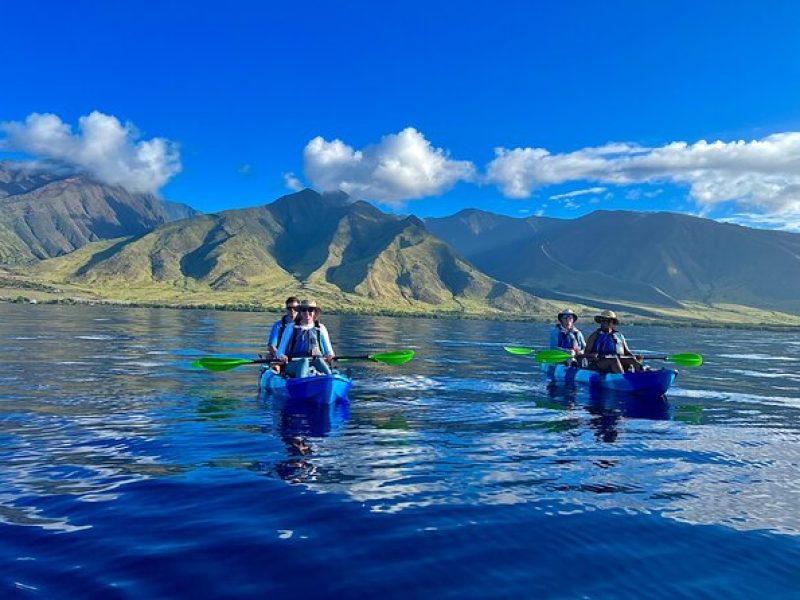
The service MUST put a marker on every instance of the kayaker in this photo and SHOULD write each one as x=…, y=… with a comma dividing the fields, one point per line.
x=565, y=336
x=280, y=325
x=307, y=341
x=607, y=349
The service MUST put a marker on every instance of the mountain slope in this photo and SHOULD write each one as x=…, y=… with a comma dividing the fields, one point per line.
x=346, y=254
x=619, y=257
x=44, y=214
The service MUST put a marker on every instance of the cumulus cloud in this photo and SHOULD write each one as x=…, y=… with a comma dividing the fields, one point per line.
x=762, y=173
x=576, y=193
x=292, y=182
x=104, y=147
x=402, y=166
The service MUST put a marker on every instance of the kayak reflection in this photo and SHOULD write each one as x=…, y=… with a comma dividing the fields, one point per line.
x=292, y=417
x=607, y=407
x=295, y=421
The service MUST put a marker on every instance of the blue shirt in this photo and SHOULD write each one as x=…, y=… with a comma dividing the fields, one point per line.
x=273, y=338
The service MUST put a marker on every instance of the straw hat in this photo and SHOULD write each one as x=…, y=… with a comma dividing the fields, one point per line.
x=567, y=312
x=308, y=304
x=607, y=314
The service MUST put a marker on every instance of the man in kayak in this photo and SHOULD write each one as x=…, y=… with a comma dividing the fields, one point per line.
x=565, y=336
x=306, y=343
x=607, y=349
x=280, y=325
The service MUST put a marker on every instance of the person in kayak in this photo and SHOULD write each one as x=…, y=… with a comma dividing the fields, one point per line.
x=280, y=325
x=565, y=336
x=607, y=349
x=307, y=342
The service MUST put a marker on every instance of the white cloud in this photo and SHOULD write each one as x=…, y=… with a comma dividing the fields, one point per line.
x=104, y=148
x=761, y=173
x=786, y=222
x=638, y=194
x=402, y=166
x=576, y=193
x=292, y=182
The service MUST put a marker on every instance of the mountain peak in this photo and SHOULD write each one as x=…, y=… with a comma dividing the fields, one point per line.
x=308, y=196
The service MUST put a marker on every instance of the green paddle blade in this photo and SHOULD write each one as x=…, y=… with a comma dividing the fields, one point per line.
x=220, y=364
x=397, y=357
x=519, y=350
x=687, y=359
x=552, y=356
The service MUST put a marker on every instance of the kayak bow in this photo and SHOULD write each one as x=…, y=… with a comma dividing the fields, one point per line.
x=322, y=389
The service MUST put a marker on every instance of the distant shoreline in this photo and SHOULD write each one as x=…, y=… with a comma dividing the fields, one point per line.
x=439, y=315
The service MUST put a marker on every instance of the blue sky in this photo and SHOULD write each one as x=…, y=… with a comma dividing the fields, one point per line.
x=596, y=104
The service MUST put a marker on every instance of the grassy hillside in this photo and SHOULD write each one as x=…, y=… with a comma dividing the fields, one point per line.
x=45, y=214
x=347, y=255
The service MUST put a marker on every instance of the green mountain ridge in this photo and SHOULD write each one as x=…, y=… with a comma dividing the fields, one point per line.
x=343, y=253
x=46, y=214
x=66, y=236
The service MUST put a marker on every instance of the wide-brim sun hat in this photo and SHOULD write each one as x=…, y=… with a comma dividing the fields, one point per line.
x=308, y=304
x=567, y=312
x=607, y=314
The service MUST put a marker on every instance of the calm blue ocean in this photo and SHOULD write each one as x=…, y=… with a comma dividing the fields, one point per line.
x=462, y=474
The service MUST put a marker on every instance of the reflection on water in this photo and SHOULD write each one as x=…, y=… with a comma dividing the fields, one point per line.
x=605, y=407
x=295, y=422
x=98, y=407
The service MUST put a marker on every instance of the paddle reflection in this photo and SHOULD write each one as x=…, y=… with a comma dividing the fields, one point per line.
x=607, y=407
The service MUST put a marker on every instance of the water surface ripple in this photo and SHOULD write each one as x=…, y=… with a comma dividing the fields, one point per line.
x=125, y=473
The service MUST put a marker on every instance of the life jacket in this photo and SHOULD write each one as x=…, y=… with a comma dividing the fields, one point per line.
x=285, y=320
x=305, y=342
x=567, y=339
x=608, y=343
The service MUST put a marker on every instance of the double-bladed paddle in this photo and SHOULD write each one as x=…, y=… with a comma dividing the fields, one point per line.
x=519, y=350
x=686, y=359
x=212, y=363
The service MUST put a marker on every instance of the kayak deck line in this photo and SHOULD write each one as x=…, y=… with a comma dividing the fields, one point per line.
x=638, y=382
x=316, y=388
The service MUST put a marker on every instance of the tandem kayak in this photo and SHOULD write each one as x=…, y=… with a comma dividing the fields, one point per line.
x=323, y=389
x=655, y=382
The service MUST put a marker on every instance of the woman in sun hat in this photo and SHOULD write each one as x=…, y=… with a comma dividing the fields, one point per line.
x=565, y=336
x=307, y=342
x=607, y=349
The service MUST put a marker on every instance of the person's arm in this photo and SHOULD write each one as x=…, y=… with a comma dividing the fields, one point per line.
x=629, y=352
x=325, y=344
x=590, y=345
x=626, y=351
x=581, y=341
x=284, y=343
x=554, y=338
x=272, y=339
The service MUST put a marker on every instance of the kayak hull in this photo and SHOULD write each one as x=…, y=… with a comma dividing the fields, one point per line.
x=322, y=389
x=655, y=382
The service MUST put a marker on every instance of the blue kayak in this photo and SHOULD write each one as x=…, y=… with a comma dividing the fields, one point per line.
x=323, y=389
x=655, y=382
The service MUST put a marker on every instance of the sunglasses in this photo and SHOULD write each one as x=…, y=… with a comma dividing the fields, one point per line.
x=309, y=310
x=292, y=307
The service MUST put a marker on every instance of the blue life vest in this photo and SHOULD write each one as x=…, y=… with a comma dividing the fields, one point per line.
x=567, y=340
x=304, y=342
x=609, y=343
